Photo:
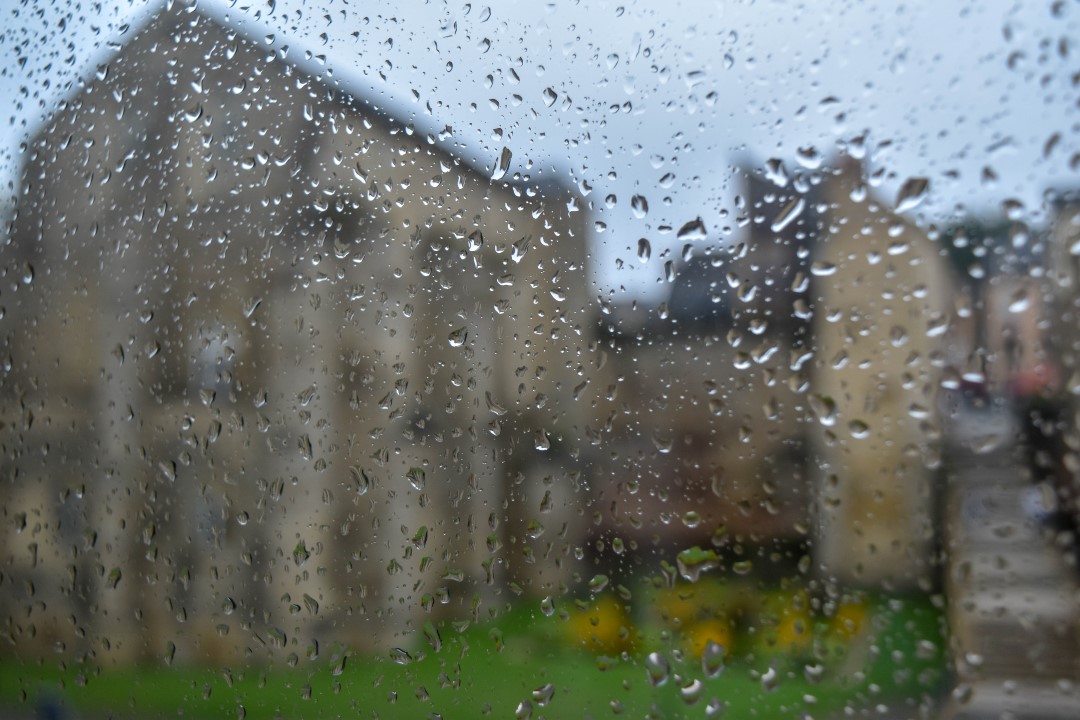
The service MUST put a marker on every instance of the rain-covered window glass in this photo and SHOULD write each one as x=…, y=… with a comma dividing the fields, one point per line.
x=561, y=360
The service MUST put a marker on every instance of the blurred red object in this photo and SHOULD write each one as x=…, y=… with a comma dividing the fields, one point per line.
x=1040, y=379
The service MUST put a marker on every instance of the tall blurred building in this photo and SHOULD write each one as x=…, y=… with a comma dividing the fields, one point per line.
x=881, y=312
x=276, y=364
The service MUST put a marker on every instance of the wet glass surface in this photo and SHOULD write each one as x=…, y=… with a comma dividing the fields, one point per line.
x=572, y=360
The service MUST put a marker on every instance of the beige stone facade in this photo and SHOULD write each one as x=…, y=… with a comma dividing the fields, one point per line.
x=881, y=300
x=277, y=359
x=786, y=394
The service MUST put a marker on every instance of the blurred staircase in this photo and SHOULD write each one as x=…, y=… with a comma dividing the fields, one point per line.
x=1012, y=594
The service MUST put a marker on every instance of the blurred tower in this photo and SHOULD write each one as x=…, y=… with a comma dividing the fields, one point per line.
x=879, y=300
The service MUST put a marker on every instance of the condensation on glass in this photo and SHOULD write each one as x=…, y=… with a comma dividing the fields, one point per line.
x=454, y=364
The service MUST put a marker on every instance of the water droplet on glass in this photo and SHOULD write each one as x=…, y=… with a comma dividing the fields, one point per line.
x=809, y=157
x=657, y=669
x=252, y=306
x=502, y=164
x=694, y=561
x=770, y=679
x=547, y=606
x=822, y=268
x=361, y=481
x=550, y=96
x=712, y=659
x=1014, y=209
x=695, y=78
x=788, y=215
x=824, y=408
x=400, y=656
x=640, y=206
x=301, y=553
x=691, y=692
x=598, y=583
x=541, y=441
x=775, y=173
x=458, y=337
x=1019, y=301
x=543, y=694
x=912, y=193
x=644, y=251
x=431, y=634
x=693, y=230
x=963, y=693
x=985, y=443
x=519, y=248
x=858, y=429
x=416, y=478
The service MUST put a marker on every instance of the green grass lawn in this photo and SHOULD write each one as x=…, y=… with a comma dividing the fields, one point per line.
x=490, y=669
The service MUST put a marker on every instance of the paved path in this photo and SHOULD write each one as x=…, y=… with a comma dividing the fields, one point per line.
x=1014, y=601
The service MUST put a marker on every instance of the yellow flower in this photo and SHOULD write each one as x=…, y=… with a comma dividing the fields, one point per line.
x=700, y=634
x=849, y=621
x=603, y=627
x=786, y=622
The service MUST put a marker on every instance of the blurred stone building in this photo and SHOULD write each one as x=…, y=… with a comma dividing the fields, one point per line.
x=704, y=433
x=881, y=312
x=278, y=367
x=785, y=394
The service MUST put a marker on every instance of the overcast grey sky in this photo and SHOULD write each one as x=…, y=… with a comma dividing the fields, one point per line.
x=657, y=98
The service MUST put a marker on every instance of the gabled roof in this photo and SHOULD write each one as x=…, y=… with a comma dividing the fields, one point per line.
x=183, y=17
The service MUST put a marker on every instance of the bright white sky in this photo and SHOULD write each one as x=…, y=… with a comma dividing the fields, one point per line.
x=943, y=90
